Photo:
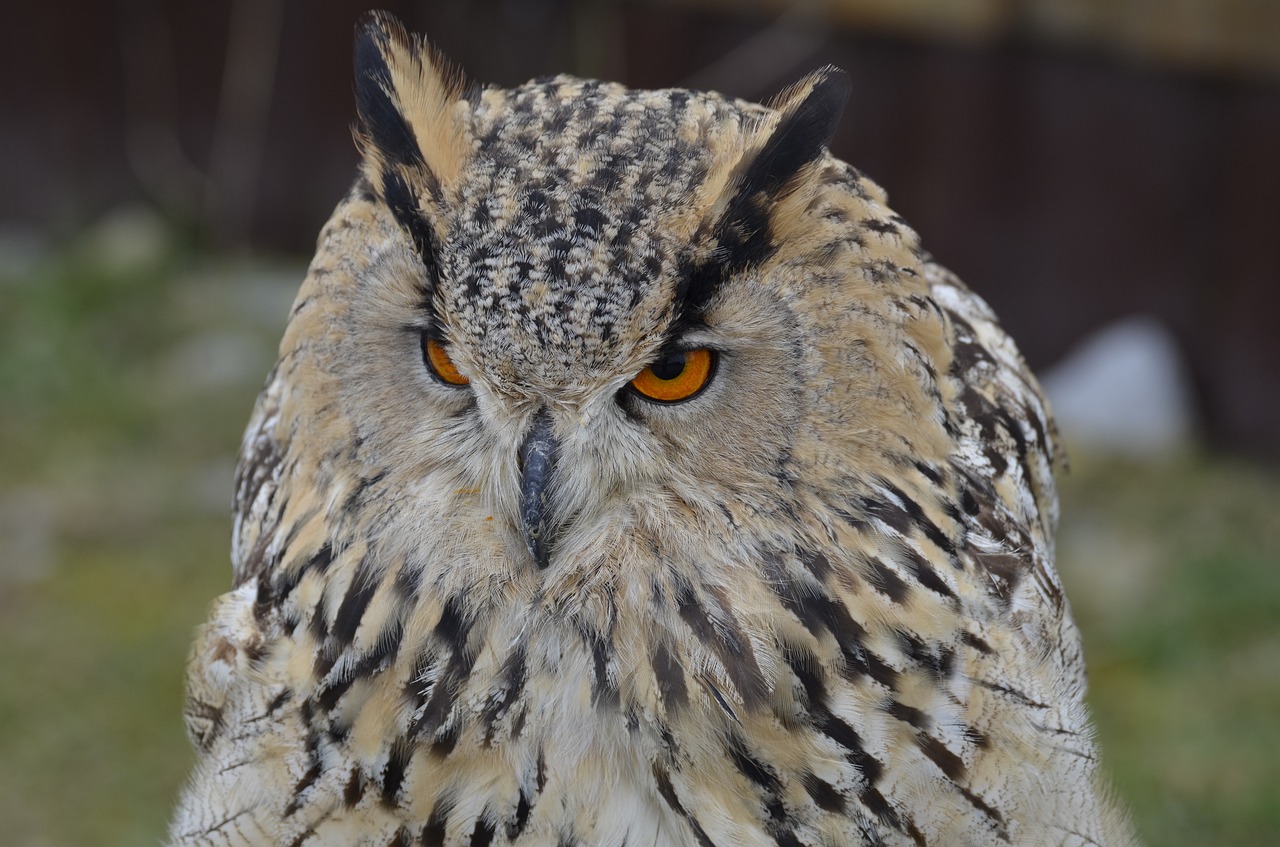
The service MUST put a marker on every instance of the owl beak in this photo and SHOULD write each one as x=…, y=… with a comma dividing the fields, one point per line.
x=538, y=454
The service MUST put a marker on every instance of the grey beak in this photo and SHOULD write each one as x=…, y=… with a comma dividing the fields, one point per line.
x=538, y=454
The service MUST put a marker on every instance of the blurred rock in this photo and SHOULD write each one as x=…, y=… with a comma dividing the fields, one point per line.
x=130, y=239
x=21, y=249
x=27, y=535
x=1125, y=390
x=264, y=295
x=214, y=360
x=210, y=486
x=251, y=294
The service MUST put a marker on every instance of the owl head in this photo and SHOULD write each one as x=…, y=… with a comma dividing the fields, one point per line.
x=570, y=319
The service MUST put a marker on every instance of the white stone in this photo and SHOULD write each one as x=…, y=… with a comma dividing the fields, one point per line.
x=1125, y=390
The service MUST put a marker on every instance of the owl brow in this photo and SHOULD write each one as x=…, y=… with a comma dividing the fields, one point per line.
x=400, y=199
x=430, y=324
x=697, y=283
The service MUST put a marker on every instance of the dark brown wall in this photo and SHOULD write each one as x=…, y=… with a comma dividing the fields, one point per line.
x=1069, y=188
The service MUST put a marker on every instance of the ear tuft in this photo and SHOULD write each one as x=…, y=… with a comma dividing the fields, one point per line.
x=811, y=112
x=384, y=131
x=766, y=175
x=406, y=95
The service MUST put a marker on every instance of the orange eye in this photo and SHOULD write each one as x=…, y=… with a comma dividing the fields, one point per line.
x=439, y=362
x=677, y=376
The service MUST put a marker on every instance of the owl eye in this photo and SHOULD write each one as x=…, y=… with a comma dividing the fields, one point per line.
x=439, y=363
x=677, y=376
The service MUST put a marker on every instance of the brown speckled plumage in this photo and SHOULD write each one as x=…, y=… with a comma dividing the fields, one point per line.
x=813, y=605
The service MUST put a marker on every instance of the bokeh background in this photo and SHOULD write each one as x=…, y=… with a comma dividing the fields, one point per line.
x=1105, y=172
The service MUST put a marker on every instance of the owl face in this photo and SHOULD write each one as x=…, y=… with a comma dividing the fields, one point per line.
x=583, y=292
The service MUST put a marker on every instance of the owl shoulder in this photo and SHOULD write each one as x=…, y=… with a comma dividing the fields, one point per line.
x=1006, y=448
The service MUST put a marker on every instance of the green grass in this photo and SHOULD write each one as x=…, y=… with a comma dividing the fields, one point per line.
x=116, y=441
x=91, y=700
x=115, y=480
x=1174, y=573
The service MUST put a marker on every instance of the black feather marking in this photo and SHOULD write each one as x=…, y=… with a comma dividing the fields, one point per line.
x=308, y=779
x=434, y=832
x=363, y=190
x=482, y=835
x=817, y=611
x=278, y=701
x=353, y=606
x=800, y=137
x=319, y=628
x=935, y=657
x=925, y=574
x=668, y=793
x=697, y=283
x=884, y=580
x=730, y=645
x=453, y=630
x=878, y=805
x=361, y=490
x=743, y=235
x=816, y=563
x=977, y=642
x=868, y=766
x=332, y=693
x=445, y=740
x=400, y=199
x=380, y=117
x=722, y=702
x=670, y=677
x=807, y=670
x=393, y=774
x=604, y=691
x=516, y=825
x=948, y=762
x=824, y=794
x=994, y=815
x=514, y=673
x=383, y=127
x=908, y=714
x=751, y=767
x=786, y=838
x=271, y=592
x=354, y=791
x=384, y=649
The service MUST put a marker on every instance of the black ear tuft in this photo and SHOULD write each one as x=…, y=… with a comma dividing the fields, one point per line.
x=810, y=113
x=742, y=231
x=804, y=131
x=381, y=121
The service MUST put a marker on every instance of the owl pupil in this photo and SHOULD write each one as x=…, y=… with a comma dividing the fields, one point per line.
x=669, y=366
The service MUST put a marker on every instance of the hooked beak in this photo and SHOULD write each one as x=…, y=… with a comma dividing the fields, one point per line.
x=538, y=454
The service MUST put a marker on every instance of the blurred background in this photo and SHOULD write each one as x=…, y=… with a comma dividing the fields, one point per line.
x=1105, y=172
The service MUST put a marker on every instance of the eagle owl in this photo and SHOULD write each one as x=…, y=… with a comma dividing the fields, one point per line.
x=631, y=476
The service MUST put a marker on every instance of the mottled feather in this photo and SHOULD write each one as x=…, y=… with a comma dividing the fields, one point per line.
x=813, y=605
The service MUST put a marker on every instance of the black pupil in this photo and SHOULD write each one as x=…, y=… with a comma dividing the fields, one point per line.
x=669, y=366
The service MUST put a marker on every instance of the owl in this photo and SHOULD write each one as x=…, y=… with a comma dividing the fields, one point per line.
x=631, y=476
